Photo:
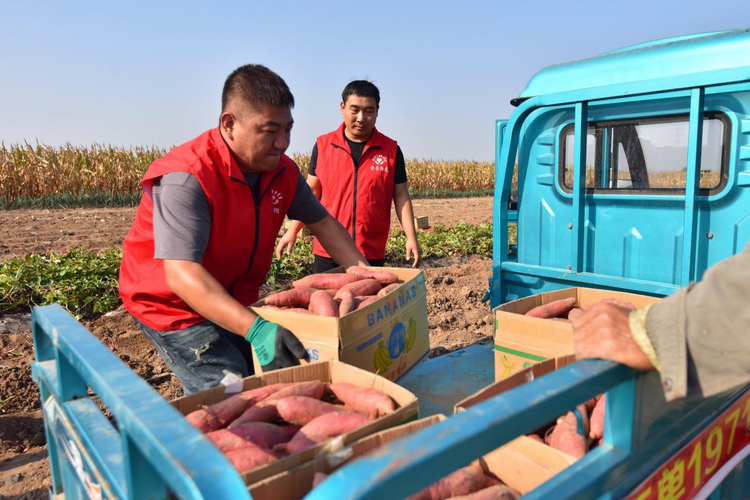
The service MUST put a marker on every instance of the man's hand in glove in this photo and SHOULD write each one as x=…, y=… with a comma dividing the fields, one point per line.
x=275, y=346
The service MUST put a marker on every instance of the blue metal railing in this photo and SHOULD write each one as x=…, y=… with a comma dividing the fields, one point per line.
x=151, y=450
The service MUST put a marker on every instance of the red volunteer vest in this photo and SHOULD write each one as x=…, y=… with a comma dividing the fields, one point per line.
x=359, y=199
x=242, y=239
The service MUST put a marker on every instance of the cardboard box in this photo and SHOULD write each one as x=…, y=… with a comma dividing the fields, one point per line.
x=331, y=371
x=296, y=483
x=388, y=337
x=522, y=341
x=523, y=463
x=422, y=222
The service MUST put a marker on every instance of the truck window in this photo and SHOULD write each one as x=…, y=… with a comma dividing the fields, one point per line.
x=648, y=155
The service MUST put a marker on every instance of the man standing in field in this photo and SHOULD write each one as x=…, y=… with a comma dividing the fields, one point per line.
x=355, y=171
x=204, y=233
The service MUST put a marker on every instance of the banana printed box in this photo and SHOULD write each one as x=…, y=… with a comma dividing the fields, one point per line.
x=388, y=337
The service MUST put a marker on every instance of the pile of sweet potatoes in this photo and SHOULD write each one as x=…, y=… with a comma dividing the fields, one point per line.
x=567, y=309
x=468, y=483
x=259, y=426
x=335, y=294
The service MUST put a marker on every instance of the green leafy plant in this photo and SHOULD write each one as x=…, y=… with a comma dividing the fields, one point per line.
x=83, y=282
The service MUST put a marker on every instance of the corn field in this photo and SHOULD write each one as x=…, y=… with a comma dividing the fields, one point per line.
x=45, y=176
x=72, y=174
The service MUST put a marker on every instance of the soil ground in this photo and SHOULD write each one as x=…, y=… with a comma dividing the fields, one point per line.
x=454, y=289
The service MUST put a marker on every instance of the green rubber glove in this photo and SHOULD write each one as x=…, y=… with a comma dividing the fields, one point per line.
x=275, y=346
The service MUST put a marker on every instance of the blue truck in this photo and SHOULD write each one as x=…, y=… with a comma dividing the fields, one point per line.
x=633, y=174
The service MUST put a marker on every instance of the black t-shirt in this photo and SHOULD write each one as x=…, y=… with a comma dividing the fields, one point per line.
x=357, y=148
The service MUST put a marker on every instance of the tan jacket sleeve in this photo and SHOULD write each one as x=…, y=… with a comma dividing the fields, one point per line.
x=701, y=334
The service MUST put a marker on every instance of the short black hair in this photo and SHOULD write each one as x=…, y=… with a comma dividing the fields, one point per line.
x=256, y=85
x=361, y=88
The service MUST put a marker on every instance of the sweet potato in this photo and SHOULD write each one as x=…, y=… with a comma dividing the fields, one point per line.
x=366, y=301
x=497, y=492
x=370, y=402
x=324, y=427
x=296, y=297
x=312, y=389
x=366, y=286
x=388, y=289
x=318, y=478
x=597, y=419
x=553, y=309
x=260, y=434
x=565, y=436
x=248, y=458
x=461, y=482
x=300, y=410
x=266, y=410
x=347, y=303
x=326, y=281
x=219, y=415
x=262, y=412
x=384, y=277
x=322, y=304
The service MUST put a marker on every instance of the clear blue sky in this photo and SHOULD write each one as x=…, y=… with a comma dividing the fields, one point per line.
x=151, y=73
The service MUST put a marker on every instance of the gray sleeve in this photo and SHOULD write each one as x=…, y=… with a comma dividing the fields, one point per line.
x=182, y=218
x=305, y=207
x=700, y=333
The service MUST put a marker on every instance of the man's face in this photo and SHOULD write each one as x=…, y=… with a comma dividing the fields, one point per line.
x=257, y=137
x=360, y=114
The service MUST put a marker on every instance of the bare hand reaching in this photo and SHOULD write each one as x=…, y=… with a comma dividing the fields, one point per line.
x=604, y=332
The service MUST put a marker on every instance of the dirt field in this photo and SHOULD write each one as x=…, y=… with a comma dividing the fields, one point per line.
x=454, y=289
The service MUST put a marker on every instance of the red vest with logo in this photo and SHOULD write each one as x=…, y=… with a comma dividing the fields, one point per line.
x=360, y=199
x=242, y=239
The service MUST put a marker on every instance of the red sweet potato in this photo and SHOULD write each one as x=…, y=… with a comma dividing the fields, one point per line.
x=266, y=411
x=300, y=410
x=326, y=281
x=219, y=415
x=497, y=492
x=462, y=482
x=260, y=434
x=597, y=419
x=366, y=286
x=366, y=301
x=565, y=437
x=370, y=402
x=384, y=277
x=312, y=389
x=261, y=412
x=250, y=457
x=553, y=309
x=388, y=289
x=296, y=297
x=324, y=427
x=347, y=304
x=322, y=304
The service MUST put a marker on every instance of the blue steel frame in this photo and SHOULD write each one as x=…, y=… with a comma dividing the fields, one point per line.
x=507, y=146
x=151, y=448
